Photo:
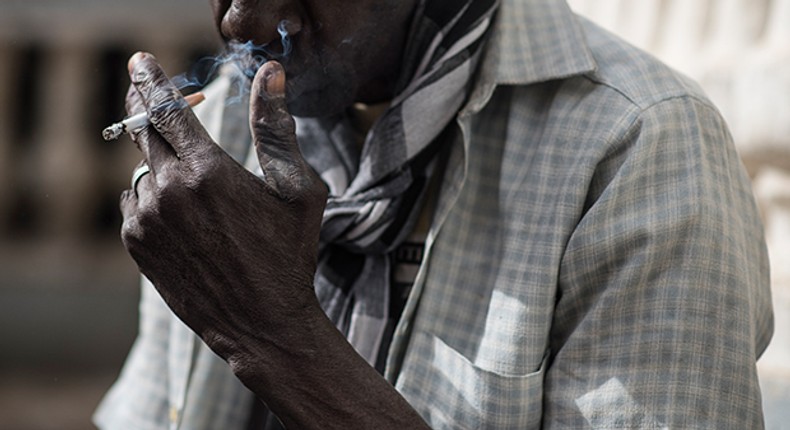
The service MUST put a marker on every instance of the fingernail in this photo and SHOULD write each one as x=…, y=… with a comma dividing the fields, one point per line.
x=273, y=79
x=134, y=59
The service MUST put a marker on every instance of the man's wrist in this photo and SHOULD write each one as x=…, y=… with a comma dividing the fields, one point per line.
x=284, y=342
x=311, y=377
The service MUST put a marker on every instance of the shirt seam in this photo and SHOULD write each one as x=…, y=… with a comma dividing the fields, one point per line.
x=643, y=107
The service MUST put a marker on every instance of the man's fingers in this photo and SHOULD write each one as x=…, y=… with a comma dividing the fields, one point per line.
x=128, y=204
x=167, y=109
x=134, y=103
x=274, y=132
x=129, y=209
x=156, y=151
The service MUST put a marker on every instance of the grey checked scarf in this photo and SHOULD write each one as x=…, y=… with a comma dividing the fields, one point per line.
x=374, y=196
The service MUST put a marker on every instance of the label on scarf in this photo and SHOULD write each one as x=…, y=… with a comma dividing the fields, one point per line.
x=406, y=263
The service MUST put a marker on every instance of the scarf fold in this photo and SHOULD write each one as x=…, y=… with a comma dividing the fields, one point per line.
x=375, y=194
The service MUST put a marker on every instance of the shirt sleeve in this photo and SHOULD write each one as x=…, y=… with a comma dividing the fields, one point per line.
x=664, y=297
x=139, y=398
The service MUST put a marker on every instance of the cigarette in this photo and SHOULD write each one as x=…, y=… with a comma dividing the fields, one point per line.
x=141, y=120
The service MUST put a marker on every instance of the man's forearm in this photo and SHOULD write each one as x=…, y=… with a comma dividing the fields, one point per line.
x=313, y=378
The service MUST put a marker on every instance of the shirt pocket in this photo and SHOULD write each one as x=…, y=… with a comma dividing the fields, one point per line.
x=451, y=392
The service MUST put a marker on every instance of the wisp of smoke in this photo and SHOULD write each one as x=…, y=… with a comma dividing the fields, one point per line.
x=245, y=57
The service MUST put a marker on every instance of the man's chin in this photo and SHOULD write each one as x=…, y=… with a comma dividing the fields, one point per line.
x=324, y=102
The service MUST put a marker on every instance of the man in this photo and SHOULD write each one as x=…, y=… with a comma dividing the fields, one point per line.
x=594, y=256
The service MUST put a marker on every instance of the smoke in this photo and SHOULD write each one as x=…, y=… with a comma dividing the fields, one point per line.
x=246, y=58
x=285, y=39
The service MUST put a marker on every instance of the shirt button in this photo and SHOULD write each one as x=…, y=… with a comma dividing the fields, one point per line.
x=174, y=414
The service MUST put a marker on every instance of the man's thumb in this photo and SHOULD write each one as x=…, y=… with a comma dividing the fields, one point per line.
x=274, y=130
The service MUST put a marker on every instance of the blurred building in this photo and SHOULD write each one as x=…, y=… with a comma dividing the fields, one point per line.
x=68, y=291
x=62, y=79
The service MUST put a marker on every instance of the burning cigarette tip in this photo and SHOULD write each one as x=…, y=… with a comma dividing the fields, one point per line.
x=141, y=120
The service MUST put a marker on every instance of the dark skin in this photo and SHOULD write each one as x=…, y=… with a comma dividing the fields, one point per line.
x=343, y=52
x=234, y=256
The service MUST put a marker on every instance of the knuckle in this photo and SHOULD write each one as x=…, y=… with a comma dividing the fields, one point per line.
x=311, y=184
x=280, y=127
x=133, y=102
x=125, y=196
x=131, y=234
x=154, y=86
x=145, y=70
x=307, y=195
x=165, y=110
x=148, y=216
x=198, y=175
x=141, y=135
x=140, y=75
x=169, y=197
x=285, y=122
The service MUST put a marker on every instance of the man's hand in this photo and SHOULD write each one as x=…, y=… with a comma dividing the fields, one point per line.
x=230, y=253
x=234, y=256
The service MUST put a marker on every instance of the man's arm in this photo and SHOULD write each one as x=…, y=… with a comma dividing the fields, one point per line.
x=664, y=300
x=234, y=256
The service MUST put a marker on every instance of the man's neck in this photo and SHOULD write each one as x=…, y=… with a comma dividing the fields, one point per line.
x=363, y=116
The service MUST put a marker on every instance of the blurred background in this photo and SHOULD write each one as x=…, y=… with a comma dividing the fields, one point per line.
x=68, y=291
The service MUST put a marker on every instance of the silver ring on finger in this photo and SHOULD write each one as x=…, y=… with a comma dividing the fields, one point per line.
x=137, y=175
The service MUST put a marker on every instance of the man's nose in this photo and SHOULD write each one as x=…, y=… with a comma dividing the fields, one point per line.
x=258, y=21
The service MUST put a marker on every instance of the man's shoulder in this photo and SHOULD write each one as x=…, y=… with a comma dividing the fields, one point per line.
x=626, y=88
x=637, y=76
x=599, y=110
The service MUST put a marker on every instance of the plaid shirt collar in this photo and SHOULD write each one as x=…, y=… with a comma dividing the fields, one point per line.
x=533, y=41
